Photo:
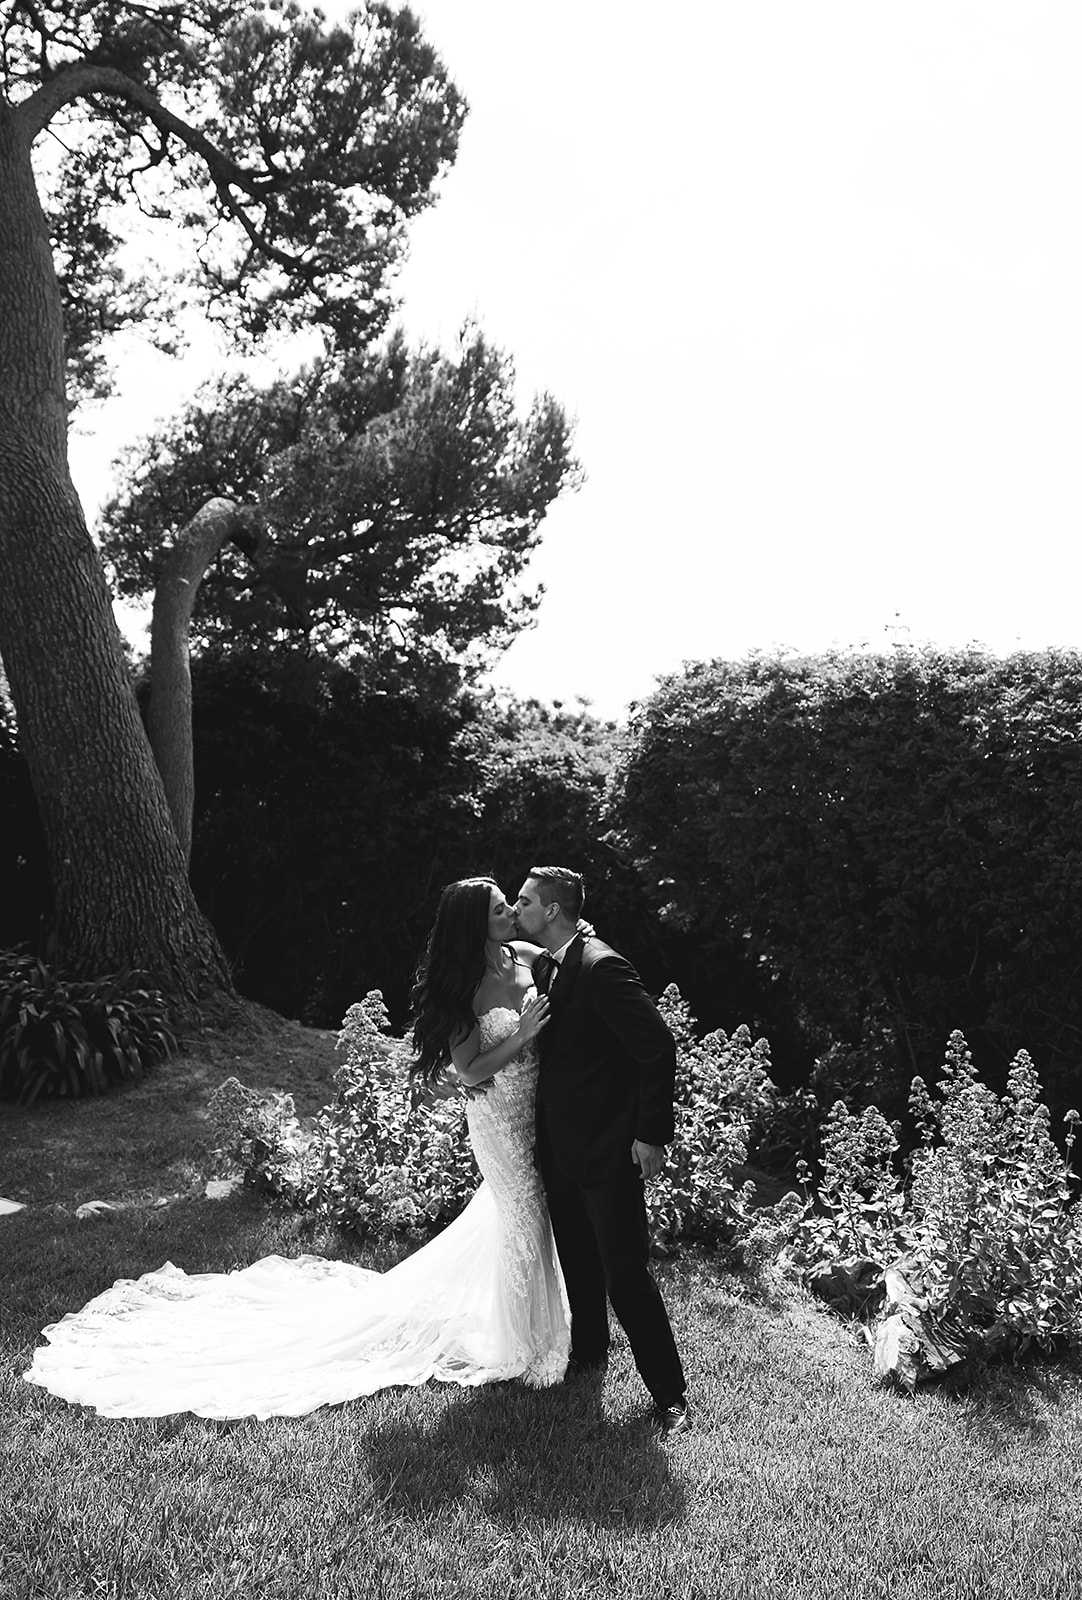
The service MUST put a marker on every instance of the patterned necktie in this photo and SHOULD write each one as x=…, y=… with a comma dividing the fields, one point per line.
x=545, y=969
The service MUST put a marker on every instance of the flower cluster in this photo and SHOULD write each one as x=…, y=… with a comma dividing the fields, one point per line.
x=724, y=1095
x=260, y=1133
x=384, y=1162
x=980, y=1253
x=372, y=1160
x=993, y=1215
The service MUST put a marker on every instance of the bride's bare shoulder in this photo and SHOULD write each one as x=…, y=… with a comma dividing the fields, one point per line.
x=526, y=952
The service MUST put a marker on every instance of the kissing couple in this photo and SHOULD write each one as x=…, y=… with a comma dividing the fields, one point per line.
x=569, y=1072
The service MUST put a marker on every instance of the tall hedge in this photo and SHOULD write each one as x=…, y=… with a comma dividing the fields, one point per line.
x=895, y=840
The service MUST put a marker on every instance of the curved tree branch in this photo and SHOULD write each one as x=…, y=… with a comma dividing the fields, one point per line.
x=89, y=78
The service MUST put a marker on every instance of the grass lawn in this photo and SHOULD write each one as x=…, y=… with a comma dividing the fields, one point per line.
x=803, y=1478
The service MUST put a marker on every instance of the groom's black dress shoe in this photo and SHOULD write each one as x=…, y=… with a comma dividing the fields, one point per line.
x=671, y=1420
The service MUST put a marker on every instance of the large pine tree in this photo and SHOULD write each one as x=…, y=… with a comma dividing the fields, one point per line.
x=290, y=156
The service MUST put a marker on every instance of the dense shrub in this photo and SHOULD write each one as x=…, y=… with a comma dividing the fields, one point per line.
x=380, y=1163
x=60, y=1036
x=328, y=818
x=325, y=827
x=979, y=1250
x=317, y=834
x=895, y=842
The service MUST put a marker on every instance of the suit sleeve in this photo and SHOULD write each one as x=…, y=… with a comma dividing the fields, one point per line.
x=627, y=1010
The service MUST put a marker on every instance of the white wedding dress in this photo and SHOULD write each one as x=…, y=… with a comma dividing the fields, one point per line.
x=482, y=1301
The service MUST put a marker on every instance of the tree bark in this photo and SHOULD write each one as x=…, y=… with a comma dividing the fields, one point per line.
x=169, y=722
x=121, y=889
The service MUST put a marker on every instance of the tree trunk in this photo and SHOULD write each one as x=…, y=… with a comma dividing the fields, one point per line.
x=169, y=723
x=121, y=889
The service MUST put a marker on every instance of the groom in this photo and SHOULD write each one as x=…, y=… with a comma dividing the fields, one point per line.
x=604, y=1115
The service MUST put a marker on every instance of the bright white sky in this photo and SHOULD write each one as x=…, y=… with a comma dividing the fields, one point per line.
x=810, y=278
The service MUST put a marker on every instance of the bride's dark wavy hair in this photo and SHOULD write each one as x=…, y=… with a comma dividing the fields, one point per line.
x=448, y=974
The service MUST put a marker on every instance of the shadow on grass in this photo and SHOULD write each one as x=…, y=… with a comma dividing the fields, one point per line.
x=524, y=1456
x=997, y=1404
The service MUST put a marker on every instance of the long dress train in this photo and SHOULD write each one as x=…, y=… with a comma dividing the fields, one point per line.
x=482, y=1301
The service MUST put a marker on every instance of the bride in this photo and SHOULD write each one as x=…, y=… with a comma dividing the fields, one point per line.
x=482, y=1301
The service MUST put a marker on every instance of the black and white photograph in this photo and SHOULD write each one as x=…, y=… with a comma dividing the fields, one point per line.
x=540, y=800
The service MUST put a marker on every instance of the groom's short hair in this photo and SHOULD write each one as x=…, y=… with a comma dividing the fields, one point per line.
x=563, y=886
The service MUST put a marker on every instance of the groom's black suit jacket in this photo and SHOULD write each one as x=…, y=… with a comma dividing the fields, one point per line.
x=608, y=1067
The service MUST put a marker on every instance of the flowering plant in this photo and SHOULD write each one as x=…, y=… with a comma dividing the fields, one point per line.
x=383, y=1161
x=723, y=1094
x=980, y=1253
x=371, y=1160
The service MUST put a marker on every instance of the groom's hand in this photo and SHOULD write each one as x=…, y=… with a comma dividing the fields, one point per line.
x=649, y=1158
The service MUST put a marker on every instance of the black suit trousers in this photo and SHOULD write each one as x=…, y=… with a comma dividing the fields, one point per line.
x=604, y=1248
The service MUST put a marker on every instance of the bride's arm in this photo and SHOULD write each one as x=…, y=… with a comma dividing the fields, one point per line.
x=473, y=1065
x=525, y=952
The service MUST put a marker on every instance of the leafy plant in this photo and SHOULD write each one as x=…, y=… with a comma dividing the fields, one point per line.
x=986, y=1235
x=381, y=1163
x=61, y=1036
x=373, y=1160
x=724, y=1095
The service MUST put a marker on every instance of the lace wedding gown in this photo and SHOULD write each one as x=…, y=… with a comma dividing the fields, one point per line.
x=481, y=1301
